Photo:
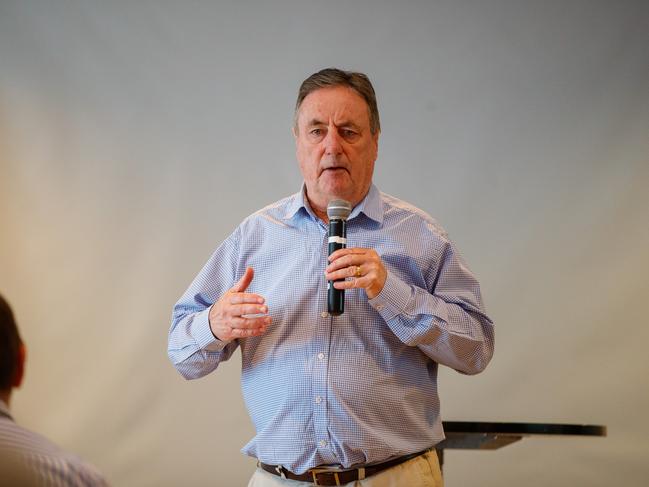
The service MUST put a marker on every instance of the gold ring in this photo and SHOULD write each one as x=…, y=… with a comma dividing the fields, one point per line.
x=358, y=271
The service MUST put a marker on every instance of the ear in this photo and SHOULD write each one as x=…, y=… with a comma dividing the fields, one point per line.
x=20, y=366
x=294, y=131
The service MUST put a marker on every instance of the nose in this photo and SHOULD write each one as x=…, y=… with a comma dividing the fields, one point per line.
x=332, y=143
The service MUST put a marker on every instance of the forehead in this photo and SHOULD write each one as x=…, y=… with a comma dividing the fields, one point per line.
x=337, y=103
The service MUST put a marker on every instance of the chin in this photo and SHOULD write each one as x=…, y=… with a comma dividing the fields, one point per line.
x=337, y=186
x=338, y=193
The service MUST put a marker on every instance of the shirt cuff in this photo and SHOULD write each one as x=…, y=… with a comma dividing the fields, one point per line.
x=203, y=335
x=393, y=298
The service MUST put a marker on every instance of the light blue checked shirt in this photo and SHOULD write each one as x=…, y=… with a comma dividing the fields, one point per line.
x=359, y=388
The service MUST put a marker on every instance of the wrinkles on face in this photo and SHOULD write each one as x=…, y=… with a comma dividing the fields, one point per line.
x=334, y=146
x=334, y=160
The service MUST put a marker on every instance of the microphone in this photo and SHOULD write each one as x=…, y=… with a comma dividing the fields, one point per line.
x=337, y=211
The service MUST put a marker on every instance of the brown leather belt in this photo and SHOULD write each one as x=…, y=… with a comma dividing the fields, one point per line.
x=320, y=476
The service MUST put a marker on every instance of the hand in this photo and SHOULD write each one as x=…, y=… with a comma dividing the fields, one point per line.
x=364, y=266
x=228, y=318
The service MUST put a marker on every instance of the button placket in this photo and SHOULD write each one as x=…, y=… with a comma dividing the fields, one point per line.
x=322, y=336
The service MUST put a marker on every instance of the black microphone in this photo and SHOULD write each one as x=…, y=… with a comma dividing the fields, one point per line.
x=337, y=211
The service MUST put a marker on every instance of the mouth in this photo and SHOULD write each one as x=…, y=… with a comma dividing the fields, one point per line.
x=334, y=169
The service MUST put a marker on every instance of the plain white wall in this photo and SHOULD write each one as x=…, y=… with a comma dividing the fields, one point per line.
x=134, y=136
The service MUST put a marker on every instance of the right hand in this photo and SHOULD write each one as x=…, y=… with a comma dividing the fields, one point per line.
x=227, y=315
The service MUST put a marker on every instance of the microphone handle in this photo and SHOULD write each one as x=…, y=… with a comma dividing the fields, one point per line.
x=337, y=240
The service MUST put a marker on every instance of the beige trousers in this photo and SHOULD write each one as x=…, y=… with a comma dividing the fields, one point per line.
x=421, y=471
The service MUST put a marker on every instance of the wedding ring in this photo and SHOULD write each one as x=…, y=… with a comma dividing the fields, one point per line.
x=358, y=271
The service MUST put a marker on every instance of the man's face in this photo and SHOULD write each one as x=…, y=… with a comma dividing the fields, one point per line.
x=335, y=147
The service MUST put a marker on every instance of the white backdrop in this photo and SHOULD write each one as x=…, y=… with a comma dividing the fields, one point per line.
x=134, y=136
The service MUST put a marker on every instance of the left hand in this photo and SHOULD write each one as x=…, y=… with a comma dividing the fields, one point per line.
x=364, y=266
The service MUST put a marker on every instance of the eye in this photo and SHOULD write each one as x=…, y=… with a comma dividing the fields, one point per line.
x=316, y=132
x=348, y=133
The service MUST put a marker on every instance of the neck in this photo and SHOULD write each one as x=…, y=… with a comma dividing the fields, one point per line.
x=319, y=211
x=321, y=214
x=5, y=396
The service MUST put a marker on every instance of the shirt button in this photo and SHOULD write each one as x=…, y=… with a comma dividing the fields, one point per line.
x=321, y=356
x=380, y=307
x=318, y=399
x=322, y=443
x=324, y=314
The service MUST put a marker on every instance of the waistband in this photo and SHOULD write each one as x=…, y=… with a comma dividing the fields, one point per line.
x=324, y=476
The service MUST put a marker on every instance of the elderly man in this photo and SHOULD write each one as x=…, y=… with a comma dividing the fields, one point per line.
x=349, y=399
x=27, y=458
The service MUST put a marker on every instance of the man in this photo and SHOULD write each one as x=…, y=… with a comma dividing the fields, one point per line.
x=27, y=458
x=336, y=400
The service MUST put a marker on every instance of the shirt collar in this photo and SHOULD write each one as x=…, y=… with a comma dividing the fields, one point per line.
x=296, y=203
x=371, y=206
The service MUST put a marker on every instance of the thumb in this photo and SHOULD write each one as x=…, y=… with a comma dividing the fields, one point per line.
x=244, y=282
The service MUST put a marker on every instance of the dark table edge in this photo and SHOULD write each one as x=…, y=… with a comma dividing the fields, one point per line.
x=524, y=428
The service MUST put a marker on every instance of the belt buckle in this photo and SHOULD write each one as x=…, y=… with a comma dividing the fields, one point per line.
x=280, y=471
x=315, y=471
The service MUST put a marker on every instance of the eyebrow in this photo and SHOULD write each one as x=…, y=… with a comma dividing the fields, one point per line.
x=314, y=121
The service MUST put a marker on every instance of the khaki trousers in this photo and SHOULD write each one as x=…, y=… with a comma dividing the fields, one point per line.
x=421, y=471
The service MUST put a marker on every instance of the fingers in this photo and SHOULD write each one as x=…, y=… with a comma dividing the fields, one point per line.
x=247, y=332
x=241, y=323
x=353, y=262
x=227, y=328
x=347, y=251
x=352, y=256
x=246, y=309
x=350, y=262
x=360, y=282
x=363, y=266
x=244, y=282
x=241, y=298
x=238, y=314
x=351, y=271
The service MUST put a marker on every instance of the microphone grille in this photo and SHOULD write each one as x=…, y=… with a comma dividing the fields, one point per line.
x=339, y=209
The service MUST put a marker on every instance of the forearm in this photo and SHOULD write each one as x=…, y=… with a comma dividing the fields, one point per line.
x=452, y=330
x=192, y=348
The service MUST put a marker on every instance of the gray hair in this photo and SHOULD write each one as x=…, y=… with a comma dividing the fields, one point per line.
x=329, y=77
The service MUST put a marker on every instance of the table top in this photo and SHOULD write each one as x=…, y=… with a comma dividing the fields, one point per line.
x=490, y=436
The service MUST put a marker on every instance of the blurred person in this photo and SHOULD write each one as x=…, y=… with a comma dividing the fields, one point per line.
x=27, y=458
